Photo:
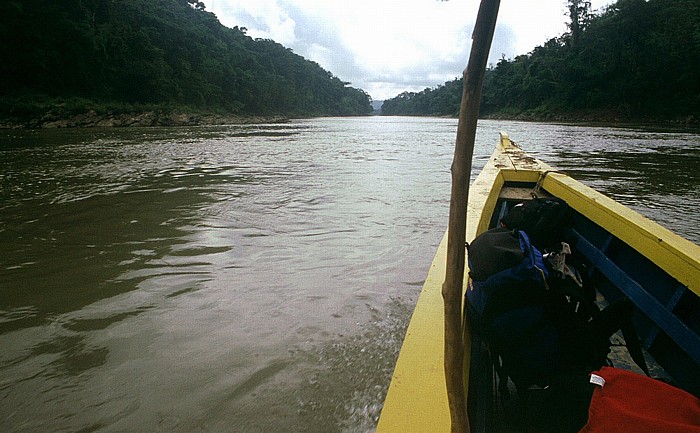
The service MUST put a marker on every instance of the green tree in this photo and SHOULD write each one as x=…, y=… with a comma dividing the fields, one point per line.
x=163, y=52
x=636, y=59
x=579, y=18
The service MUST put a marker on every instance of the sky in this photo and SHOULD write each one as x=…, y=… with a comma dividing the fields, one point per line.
x=387, y=47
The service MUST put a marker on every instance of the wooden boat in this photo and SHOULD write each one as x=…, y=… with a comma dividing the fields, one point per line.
x=633, y=256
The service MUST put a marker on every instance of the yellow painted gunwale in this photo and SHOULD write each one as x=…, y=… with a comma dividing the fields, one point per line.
x=679, y=257
x=416, y=400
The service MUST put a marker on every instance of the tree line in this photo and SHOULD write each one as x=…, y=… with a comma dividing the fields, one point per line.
x=166, y=53
x=636, y=59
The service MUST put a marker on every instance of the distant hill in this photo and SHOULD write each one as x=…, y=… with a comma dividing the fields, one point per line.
x=167, y=54
x=637, y=60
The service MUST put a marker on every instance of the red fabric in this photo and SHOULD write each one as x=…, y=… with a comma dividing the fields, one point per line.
x=633, y=403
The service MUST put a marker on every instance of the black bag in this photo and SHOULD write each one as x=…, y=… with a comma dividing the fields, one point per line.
x=545, y=220
x=506, y=302
x=537, y=313
x=538, y=324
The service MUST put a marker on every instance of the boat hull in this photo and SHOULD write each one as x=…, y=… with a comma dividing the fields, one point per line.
x=633, y=256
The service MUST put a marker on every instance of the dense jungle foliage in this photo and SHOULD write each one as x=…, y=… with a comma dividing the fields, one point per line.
x=162, y=53
x=636, y=60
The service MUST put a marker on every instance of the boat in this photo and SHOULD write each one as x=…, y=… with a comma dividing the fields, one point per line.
x=635, y=257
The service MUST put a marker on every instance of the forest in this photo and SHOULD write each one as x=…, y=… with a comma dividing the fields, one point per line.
x=132, y=55
x=636, y=60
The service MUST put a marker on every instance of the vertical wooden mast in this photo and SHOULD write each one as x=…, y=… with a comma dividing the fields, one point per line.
x=461, y=170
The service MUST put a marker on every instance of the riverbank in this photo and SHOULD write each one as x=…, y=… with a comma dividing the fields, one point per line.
x=92, y=118
x=157, y=116
x=605, y=117
x=34, y=112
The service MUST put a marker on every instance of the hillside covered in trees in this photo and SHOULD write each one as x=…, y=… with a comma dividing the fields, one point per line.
x=167, y=54
x=636, y=60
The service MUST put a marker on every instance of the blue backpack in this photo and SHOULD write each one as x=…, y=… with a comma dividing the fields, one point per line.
x=508, y=304
x=538, y=323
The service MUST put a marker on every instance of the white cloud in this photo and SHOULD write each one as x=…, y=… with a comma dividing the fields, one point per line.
x=389, y=46
x=264, y=18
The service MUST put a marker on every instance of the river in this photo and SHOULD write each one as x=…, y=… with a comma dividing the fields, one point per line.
x=251, y=278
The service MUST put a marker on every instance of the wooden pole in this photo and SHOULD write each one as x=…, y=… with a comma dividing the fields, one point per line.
x=461, y=170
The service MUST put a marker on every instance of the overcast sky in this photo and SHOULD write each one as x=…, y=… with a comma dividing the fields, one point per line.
x=386, y=47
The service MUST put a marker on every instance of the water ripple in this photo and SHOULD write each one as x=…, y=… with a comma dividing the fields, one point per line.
x=255, y=277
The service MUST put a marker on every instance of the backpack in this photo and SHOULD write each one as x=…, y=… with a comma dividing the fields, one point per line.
x=545, y=220
x=548, y=222
x=538, y=318
x=511, y=306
